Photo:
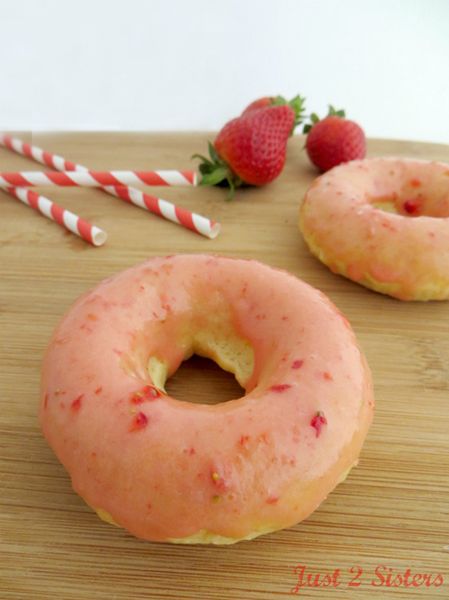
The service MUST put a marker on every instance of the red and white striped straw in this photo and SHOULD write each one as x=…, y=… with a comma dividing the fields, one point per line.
x=162, y=208
x=97, y=178
x=92, y=234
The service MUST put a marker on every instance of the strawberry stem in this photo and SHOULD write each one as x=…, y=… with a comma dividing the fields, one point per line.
x=215, y=176
x=314, y=118
x=215, y=171
x=336, y=113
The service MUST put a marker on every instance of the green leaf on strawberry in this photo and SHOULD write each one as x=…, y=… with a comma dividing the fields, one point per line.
x=314, y=118
x=215, y=171
x=336, y=113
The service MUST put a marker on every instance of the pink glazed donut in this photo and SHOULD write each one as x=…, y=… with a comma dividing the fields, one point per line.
x=169, y=470
x=384, y=223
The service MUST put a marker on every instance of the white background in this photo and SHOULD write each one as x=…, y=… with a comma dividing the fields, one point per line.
x=173, y=64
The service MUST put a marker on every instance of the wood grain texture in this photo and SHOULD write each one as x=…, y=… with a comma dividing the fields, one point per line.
x=393, y=509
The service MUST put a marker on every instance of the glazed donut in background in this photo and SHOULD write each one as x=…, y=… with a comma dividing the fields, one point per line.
x=168, y=470
x=384, y=223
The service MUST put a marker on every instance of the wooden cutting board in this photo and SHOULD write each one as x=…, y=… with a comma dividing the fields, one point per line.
x=391, y=514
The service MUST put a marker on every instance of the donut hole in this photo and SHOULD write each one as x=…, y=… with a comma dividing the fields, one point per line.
x=226, y=357
x=415, y=196
x=413, y=205
x=201, y=381
x=385, y=204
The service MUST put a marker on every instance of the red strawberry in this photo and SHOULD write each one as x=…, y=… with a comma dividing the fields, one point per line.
x=260, y=103
x=334, y=140
x=249, y=149
x=297, y=103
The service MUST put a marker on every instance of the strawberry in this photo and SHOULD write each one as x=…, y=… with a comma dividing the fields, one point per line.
x=259, y=103
x=334, y=140
x=249, y=149
x=297, y=103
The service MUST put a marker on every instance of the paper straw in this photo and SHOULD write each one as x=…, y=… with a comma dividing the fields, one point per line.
x=167, y=210
x=163, y=208
x=92, y=234
x=97, y=178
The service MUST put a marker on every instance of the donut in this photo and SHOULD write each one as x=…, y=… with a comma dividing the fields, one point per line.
x=177, y=471
x=383, y=223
